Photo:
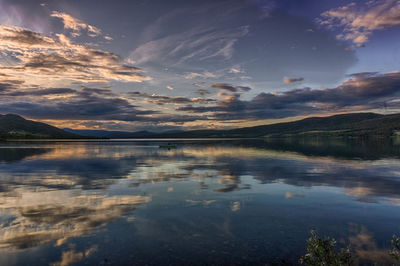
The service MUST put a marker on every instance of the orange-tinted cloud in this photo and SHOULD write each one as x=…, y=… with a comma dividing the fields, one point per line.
x=39, y=60
x=359, y=22
x=76, y=25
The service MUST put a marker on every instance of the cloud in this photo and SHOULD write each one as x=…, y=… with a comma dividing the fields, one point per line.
x=229, y=87
x=362, y=91
x=200, y=202
x=363, y=74
x=293, y=195
x=108, y=38
x=84, y=104
x=287, y=80
x=366, y=248
x=305, y=172
x=36, y=92
x=71, y=256
x=359, y=22
x=39, y=60
x=19, y=39
x=197, y=44
x=235, y=70
x=76, y=25
x=199, y=84
x=99, y=107
x=235, y=206
x=40, y=74
x=202, y=92
x=37, y=221
x=206, y=74
x=162, y=99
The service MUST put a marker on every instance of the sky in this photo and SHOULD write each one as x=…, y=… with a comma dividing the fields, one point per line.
x=180, y=65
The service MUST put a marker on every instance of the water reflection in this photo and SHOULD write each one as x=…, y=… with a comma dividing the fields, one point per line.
x=366, y=248
x=34, y=218
x=54, y=193
x=15, y=154
x=71, y=256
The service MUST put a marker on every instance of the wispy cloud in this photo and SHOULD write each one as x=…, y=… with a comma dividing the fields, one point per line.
x=205, y=74
x=235, y=70
x=360, y=21
x=162, y=99
x=76, y=25
x=195, y=44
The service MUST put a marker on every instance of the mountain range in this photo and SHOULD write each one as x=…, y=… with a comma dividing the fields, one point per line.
x=361, y=125
x=16, y=127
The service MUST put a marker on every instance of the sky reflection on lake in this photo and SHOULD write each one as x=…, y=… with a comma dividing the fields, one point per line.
x=218, y=202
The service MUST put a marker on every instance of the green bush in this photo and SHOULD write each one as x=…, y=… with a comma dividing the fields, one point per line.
x=395, y=251
x=321, y=251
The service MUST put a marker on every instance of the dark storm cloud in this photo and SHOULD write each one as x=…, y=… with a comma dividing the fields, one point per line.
x=229, y=87
x=90, y=104
x=363, y=90
x=88, y=108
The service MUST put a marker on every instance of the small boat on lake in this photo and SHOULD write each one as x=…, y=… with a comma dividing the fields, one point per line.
x=167, y=146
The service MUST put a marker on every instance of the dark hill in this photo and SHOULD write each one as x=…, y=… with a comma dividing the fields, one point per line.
x=345, y=125
x=15, y=126
x=363, y=125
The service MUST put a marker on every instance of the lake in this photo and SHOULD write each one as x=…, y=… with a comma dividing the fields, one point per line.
x=205, y=202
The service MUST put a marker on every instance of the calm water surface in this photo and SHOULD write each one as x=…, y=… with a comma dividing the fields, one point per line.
x=206, y=202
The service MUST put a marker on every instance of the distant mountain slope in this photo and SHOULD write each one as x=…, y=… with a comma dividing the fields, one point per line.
x=109, y=134
x=15, y=126
x=345, y=125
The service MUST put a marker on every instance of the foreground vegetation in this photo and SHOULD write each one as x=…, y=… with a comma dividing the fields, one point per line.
x=322, y=251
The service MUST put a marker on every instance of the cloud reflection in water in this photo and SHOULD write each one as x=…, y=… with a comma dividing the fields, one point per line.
x=70, y=190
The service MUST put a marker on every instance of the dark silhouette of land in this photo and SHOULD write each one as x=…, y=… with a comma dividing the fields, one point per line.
x=353, y=125
x=16, y=127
